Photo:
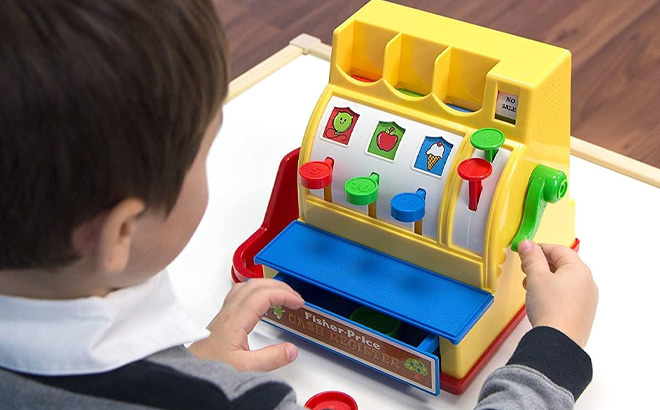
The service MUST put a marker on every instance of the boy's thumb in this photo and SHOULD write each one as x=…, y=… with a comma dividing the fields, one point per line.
x=532, y=257
x=271, y=357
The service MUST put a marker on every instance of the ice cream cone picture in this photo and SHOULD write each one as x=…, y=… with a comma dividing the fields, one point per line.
x=340, y=125
x=433, y=155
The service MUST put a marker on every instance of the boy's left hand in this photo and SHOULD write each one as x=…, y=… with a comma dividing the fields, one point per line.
x=243, y=307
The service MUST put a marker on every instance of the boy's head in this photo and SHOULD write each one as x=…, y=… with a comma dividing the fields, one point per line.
x=104, y=108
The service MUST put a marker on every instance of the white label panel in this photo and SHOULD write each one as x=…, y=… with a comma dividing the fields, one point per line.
x=507, y=106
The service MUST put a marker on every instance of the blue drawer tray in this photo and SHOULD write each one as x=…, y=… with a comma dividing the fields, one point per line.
x=434, y=303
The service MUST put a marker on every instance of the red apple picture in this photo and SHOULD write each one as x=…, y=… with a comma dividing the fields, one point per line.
x=386, y=140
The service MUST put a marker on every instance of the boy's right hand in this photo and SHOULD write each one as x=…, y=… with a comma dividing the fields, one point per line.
x=561, y=292
x=244, y=306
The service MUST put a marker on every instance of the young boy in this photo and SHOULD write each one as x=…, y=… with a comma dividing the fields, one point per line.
x=108, y=112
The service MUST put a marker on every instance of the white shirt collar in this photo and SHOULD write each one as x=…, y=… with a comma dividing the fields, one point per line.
x=94, y=334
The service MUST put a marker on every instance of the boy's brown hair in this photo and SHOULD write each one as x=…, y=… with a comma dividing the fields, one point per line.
x=99, y=101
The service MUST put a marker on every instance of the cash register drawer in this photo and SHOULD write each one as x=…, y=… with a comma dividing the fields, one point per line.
x=337, y=277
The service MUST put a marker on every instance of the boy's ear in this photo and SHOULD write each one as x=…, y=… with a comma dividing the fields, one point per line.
x=115, y=233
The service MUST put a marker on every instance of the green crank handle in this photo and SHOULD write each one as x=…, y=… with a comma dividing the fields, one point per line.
x=545, y=185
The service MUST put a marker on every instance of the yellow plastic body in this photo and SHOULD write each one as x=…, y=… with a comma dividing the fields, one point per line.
x=452, y=62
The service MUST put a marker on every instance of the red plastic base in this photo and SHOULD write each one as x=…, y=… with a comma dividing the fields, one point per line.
x=576, y=245
x=282, y=209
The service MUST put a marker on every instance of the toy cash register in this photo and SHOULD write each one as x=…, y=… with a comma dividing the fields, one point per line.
x=436, y=147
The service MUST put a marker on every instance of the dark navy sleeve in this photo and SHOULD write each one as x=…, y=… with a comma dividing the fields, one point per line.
x=556, y=356
x=548, y=370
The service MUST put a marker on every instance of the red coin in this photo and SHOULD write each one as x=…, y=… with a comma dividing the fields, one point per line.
x=331, y=400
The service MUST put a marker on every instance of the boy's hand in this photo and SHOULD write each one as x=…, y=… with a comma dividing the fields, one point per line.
x=561, y=292
x=244, y=306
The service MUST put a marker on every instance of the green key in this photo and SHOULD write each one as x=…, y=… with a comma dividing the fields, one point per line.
x=489, y=140
x=362, y=190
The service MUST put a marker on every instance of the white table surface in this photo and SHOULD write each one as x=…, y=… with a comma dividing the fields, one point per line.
x=618, y=222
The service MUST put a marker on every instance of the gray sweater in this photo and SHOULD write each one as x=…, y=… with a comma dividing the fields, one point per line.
x=547, y=371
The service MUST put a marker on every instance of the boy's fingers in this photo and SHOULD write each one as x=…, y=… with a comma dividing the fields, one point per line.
x=256, y=304
x=532, y=257
x=241, y=291
x=262, y=299
x=558, y=255
x=268, y=358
